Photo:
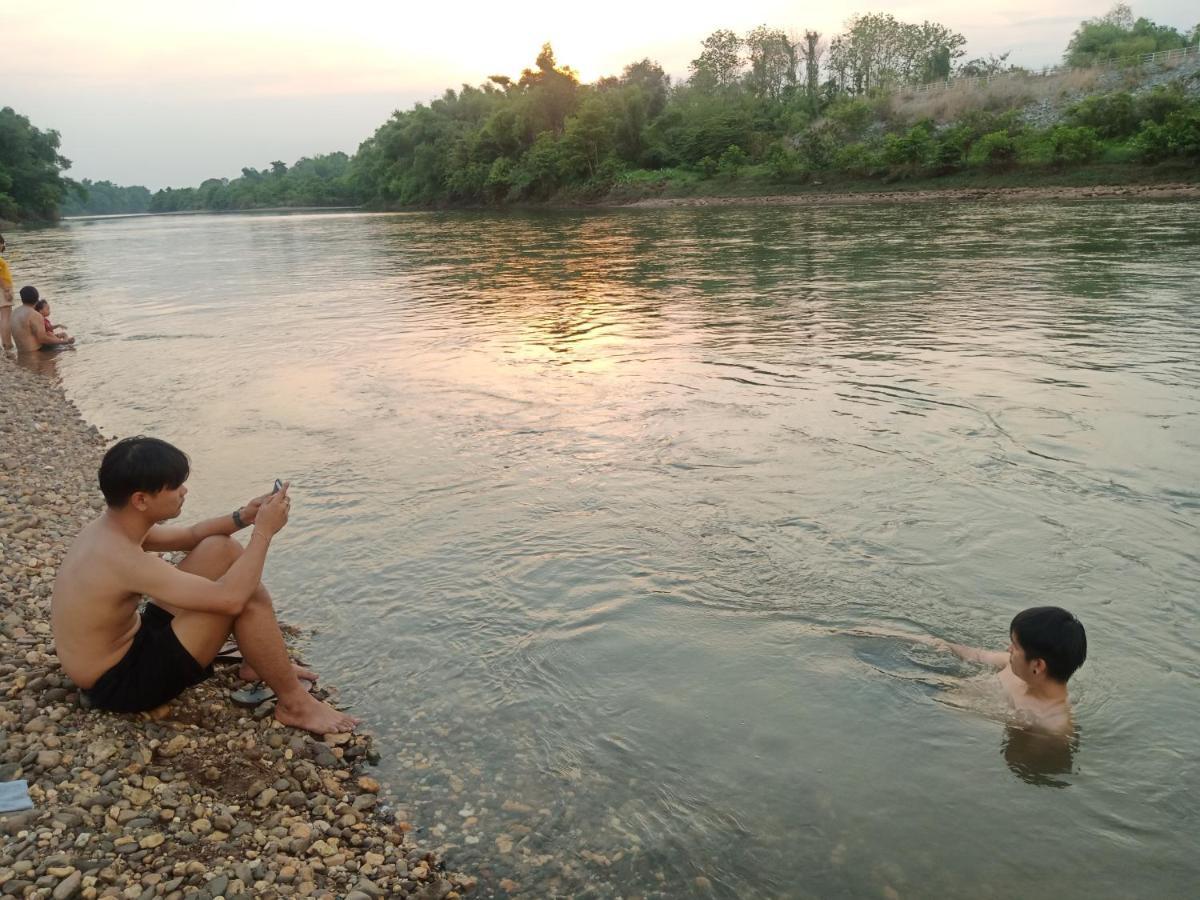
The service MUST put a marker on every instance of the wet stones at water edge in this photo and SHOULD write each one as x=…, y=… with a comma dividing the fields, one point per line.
x=210, y=800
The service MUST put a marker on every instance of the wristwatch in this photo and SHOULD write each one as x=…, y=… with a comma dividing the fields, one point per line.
x=237, y=518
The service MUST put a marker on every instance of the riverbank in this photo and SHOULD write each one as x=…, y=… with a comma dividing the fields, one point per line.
x=1174, y=191
x=207, y=800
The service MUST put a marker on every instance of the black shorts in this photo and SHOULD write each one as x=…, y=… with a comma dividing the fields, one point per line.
x=155, y=669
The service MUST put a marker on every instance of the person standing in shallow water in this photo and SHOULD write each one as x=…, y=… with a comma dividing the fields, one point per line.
x=6, y=301
x=130, y=662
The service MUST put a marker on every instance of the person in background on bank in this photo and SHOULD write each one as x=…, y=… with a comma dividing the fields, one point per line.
x=43, y=308
x=29, y=328
x=6, y=301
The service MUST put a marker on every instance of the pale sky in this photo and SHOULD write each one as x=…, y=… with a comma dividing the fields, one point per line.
x=169, y=92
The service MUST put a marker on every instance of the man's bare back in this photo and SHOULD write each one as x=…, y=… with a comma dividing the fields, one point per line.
x=29, y=331
x=93, y=616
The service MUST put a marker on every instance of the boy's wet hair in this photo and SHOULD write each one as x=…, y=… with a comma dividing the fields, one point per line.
x=143, y=464
x=40, y=305
x=1054, y=636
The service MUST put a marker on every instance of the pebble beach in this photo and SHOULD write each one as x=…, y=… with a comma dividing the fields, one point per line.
x=202, y=799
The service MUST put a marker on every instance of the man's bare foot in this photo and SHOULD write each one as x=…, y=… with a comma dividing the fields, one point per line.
x=246, y=672
x=312, y=715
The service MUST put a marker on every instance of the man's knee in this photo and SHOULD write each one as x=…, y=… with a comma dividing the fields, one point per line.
x=221, y=545
x=212, y=557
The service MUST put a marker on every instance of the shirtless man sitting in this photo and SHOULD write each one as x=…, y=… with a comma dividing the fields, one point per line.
x=126, y=662
x=29, y=328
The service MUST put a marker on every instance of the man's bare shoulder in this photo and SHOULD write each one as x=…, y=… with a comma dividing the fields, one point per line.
x=98, y=552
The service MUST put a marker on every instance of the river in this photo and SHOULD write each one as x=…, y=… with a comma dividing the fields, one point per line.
x=585, y=503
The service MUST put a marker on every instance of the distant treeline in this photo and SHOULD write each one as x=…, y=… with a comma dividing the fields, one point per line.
x=317, y=181
x=762, y=106
x=103, y=198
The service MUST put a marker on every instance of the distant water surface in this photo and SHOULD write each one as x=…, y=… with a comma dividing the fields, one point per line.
x=582, y=499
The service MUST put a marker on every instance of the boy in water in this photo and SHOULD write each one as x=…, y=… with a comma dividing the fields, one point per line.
x=1046, y=646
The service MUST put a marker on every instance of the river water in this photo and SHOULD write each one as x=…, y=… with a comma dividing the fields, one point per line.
x=585, y=502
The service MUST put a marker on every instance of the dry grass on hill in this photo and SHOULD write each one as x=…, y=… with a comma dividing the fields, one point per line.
x=1010, y=92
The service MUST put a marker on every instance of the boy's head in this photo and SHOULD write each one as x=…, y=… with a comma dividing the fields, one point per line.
x=139, y=468
x=43, y=307
x=1047, y=642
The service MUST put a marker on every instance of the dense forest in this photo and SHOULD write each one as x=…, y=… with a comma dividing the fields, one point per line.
x=32, y=186
x=766, y=107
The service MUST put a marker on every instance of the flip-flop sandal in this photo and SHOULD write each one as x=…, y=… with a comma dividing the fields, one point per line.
x=252, y=696
x=230, y=653
x=259, y=693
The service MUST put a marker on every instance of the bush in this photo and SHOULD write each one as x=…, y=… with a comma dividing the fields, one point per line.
x=858, y=159
x=1111, y=115
x=817, y=148
x=850, y=118
x=996, y=150
x=732, y=160
x=1178, y=136
x=1156, y=105
x=707, y=166
x=909, y=151
x=786, y=165
x=1073, y=145
x=950, y=149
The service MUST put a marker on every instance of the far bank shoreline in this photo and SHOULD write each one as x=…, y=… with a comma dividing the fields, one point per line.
x=1168, y=191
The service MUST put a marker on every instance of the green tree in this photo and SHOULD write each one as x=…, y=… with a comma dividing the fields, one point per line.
x=551, y=93
x=877, y=50
x=773, y=59
x=1117, y=34
x=811, y=51
x=32, y=186
x=986, y=66
x=720, y=62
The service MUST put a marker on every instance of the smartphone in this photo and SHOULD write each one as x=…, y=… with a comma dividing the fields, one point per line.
x=278, y=486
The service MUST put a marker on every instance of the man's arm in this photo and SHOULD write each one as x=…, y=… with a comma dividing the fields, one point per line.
x=45, y=337
x=163, y=538
x=962, y=651
x=993, y=658
x=227, y=595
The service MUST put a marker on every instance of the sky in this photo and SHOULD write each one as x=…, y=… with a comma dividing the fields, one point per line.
x=171, y=93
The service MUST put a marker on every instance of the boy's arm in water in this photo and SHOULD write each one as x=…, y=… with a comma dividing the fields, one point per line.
x=995, y=658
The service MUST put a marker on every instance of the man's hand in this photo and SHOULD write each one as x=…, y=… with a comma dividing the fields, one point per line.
x=250, y=511
x=272, y=513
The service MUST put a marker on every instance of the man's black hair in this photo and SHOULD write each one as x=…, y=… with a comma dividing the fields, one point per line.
x=29, y=294
x=1054, y=636
x=141, y=464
